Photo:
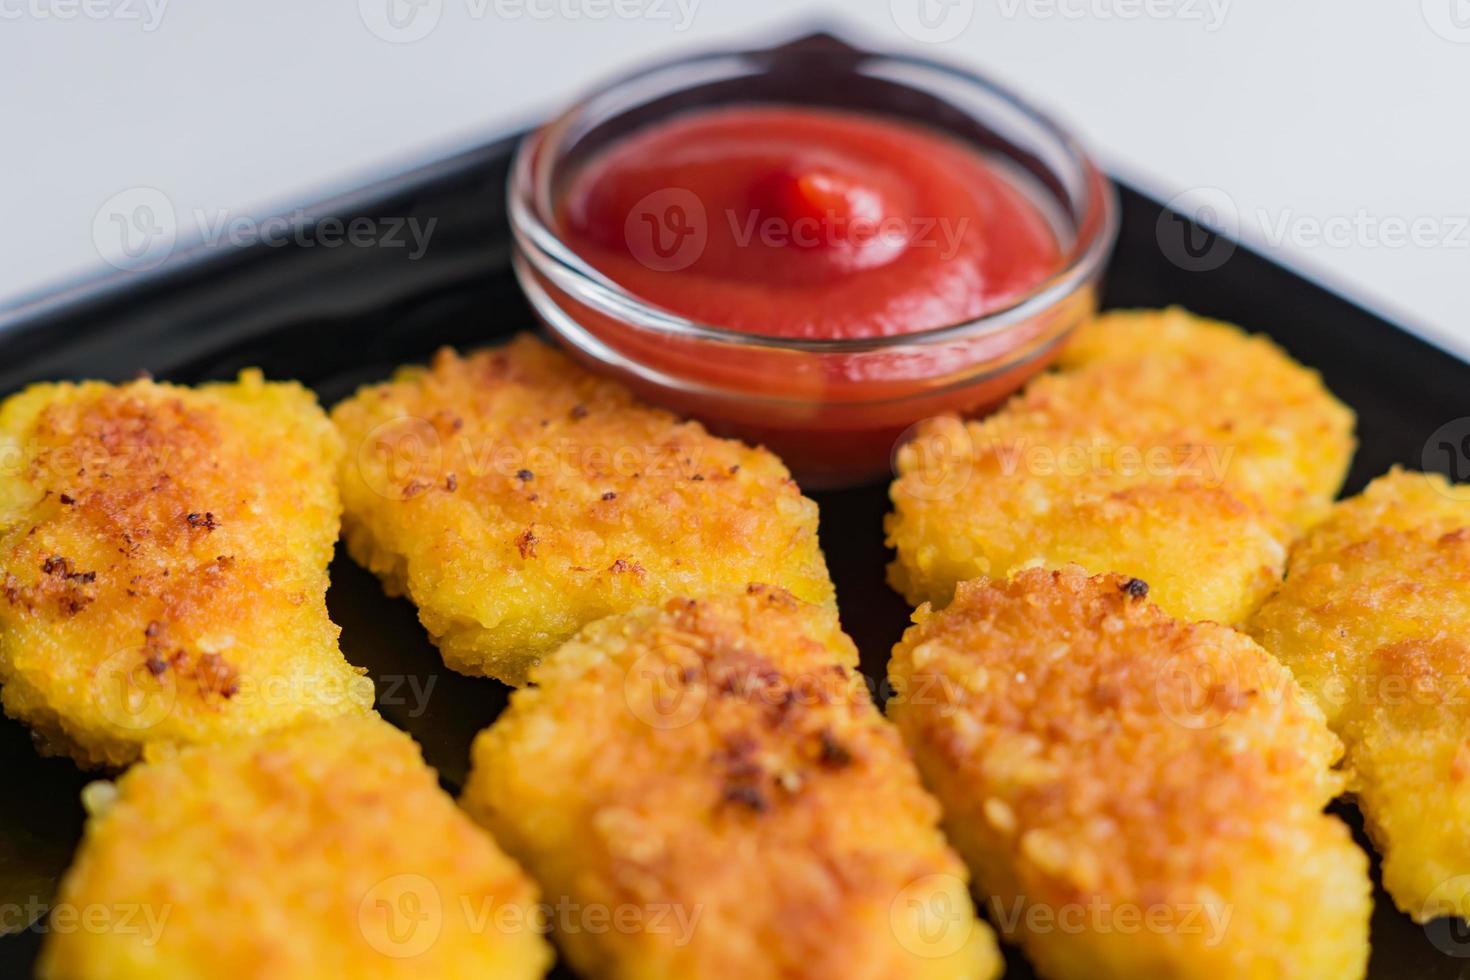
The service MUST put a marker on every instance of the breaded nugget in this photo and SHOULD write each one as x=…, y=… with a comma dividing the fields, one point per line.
x=515, y=497
x=163, y=565
x=326, y=852
x=1140, y=797
x=1374, y=621
x=1177, y=450
x=715, y=773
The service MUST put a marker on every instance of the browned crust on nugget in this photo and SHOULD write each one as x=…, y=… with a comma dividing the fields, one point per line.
x=1169, y=447
x=515, y=497
x=163, y=564
x=1093, y=754
x=723, y=758
x=1373, y=619
x=325, y=851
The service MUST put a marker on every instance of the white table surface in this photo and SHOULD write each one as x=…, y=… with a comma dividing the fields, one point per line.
x=1332, y=133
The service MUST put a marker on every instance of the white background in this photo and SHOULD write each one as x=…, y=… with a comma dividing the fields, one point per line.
x=1332, y=129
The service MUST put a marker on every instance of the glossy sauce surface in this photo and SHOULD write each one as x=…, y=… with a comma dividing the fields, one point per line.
x=809, y=223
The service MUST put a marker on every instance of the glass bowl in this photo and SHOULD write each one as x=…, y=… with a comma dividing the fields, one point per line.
x=834, y=410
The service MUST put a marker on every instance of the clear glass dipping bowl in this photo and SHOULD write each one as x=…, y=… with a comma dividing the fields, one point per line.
x=833, y=409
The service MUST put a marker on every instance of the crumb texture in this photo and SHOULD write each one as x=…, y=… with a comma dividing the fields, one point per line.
x=324, y=851
x=719, y=765
x=1137, y=796
x=1178, y=450
x=163, y=565
x=515, y=498
x=1373, y=620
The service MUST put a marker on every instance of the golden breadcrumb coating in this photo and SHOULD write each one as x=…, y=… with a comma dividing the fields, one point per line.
x=1374, y=621
x=326, y=851
x=717, y=770
x=1170, y=448
x=163, y=565
x=1140, y=796
x=514, y=498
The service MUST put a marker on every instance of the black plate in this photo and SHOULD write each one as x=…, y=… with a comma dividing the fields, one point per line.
x=334, y=317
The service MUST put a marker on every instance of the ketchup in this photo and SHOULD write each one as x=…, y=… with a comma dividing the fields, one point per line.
x=807, y=223
x=819, y=226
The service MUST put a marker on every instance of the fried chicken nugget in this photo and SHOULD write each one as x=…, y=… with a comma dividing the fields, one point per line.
x=1374, y=621
x=1140, y=796
x=714, y=773
x=326, y=851
x=163, y=565
x=514, y=498
x=1170, y=448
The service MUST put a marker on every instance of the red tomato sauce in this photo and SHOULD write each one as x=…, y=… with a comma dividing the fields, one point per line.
x=807, y=223
x=818, y=225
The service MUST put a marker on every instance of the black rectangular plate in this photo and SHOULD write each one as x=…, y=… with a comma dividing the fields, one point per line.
x=337, y=317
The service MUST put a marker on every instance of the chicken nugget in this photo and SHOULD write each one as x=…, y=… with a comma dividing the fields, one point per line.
x=163, y=565
x=325, y=851
x=714, y=771
x=1177, y=450
x=514, y=498
x=1141, y=797
x=1374, y=621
